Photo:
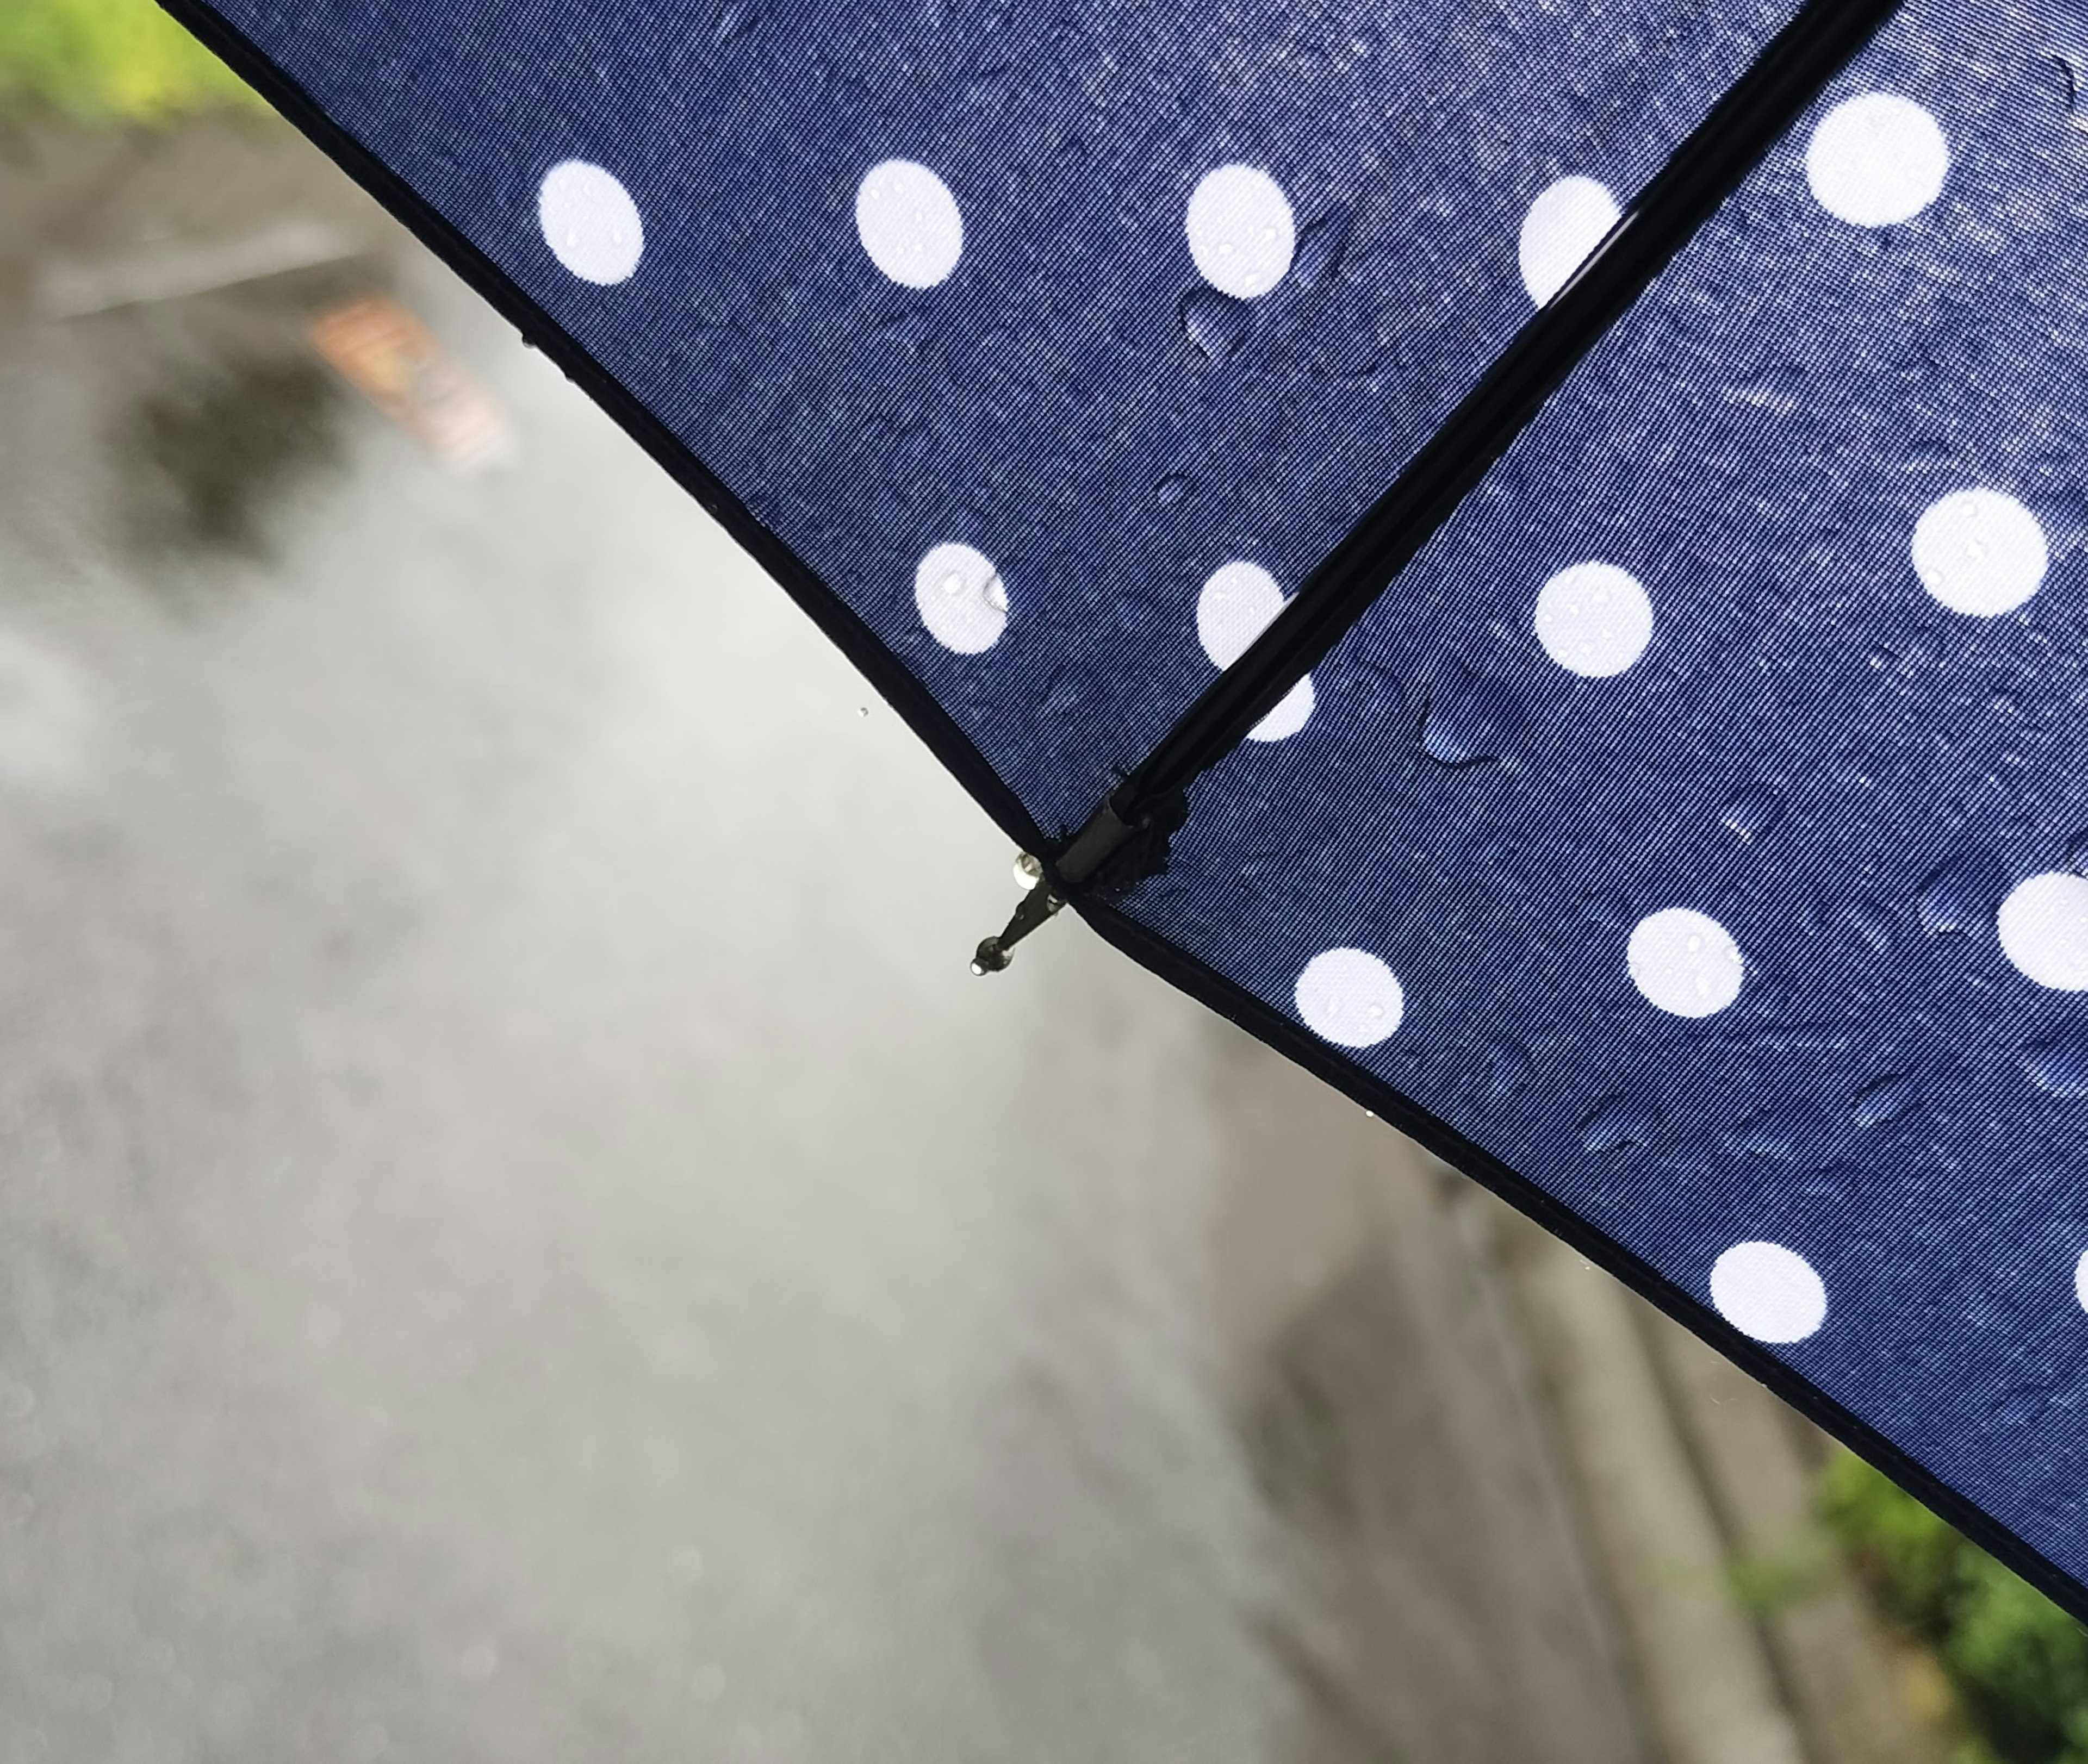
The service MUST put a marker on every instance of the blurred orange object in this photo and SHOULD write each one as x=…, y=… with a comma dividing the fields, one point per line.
x=392, y=358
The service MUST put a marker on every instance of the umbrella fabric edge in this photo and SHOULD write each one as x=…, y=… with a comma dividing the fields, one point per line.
x=840, y=625
x=1176, y=968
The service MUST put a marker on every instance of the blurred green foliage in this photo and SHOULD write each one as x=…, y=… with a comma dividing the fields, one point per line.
x=2018, y=1663
x=107, y=61
x=1767, y=1582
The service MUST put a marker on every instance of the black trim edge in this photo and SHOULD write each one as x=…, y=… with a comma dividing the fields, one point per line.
x=1178, y=969
x=849, y=634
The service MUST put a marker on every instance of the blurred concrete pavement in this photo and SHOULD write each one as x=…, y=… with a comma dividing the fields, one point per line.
x=520, y=1238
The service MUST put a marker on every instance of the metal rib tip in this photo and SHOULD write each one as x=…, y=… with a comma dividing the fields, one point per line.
x=1035, y=907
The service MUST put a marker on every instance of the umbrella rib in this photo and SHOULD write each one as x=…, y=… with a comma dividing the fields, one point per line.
x=1125, y=838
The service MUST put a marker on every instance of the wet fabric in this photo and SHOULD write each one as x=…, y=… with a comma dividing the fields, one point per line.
x=1069, y=397
x=1744, y=906
x=1691, y=842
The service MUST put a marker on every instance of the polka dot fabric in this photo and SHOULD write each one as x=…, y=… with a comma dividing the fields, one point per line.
x=1697, y=832
x=1110, y=295
x=1752, y=923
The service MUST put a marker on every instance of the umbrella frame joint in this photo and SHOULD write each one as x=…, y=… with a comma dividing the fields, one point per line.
x=1115, y=849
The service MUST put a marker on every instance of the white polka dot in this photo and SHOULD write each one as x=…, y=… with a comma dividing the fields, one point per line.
x=1241, y=230
x=590, y=223
x=961, y=598
x=1768, y=1291
x=2081, y=1280
x=1350, y=998
x=1876, y=160
x=1566, y=222
x=908, y=223
x=1593, y=620
x=1235, y=607
x=1238, y=601
x=1293, y=712
x=1979, y=552
x=2044, y=924
x=1685, y=962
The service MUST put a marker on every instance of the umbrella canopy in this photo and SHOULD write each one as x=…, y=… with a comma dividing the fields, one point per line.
x=1602, y=691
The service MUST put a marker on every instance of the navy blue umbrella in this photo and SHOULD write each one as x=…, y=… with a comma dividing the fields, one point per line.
x=1532, y=556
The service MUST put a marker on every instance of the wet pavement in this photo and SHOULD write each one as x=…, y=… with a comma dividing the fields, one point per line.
x=520, y=1240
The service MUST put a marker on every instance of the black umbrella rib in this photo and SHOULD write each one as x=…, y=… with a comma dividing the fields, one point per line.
x=1758, y=111
x=1125, y=837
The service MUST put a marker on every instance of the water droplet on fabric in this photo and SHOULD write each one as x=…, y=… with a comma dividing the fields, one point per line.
x=2019, y=1405
x=735, y=20
x=991, y=87
x=1783, y=1135
x=1830, y=1182
x=1753, y=813
x=1909, y=655
x=1065, y=691
x=1175, y=490
x=1217, y=325
x=1468, y=720
x=1619, y=1124
x=2060, y=1066
x=1509, y=1069
x=1321, y=247
x=1922, y=649
x=1606, y=906
x=1957, y=897
x=1885, y=1100
x=1873, y=922
x=908, y=328
x=1779, y=388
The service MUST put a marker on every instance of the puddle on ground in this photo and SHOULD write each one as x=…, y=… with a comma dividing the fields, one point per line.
x=206, y=455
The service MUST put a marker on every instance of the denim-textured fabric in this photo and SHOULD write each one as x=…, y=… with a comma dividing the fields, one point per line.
x=1813, y=751
x=1045, y=404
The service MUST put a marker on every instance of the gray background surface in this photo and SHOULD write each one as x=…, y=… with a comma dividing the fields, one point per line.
x=520, y=1238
